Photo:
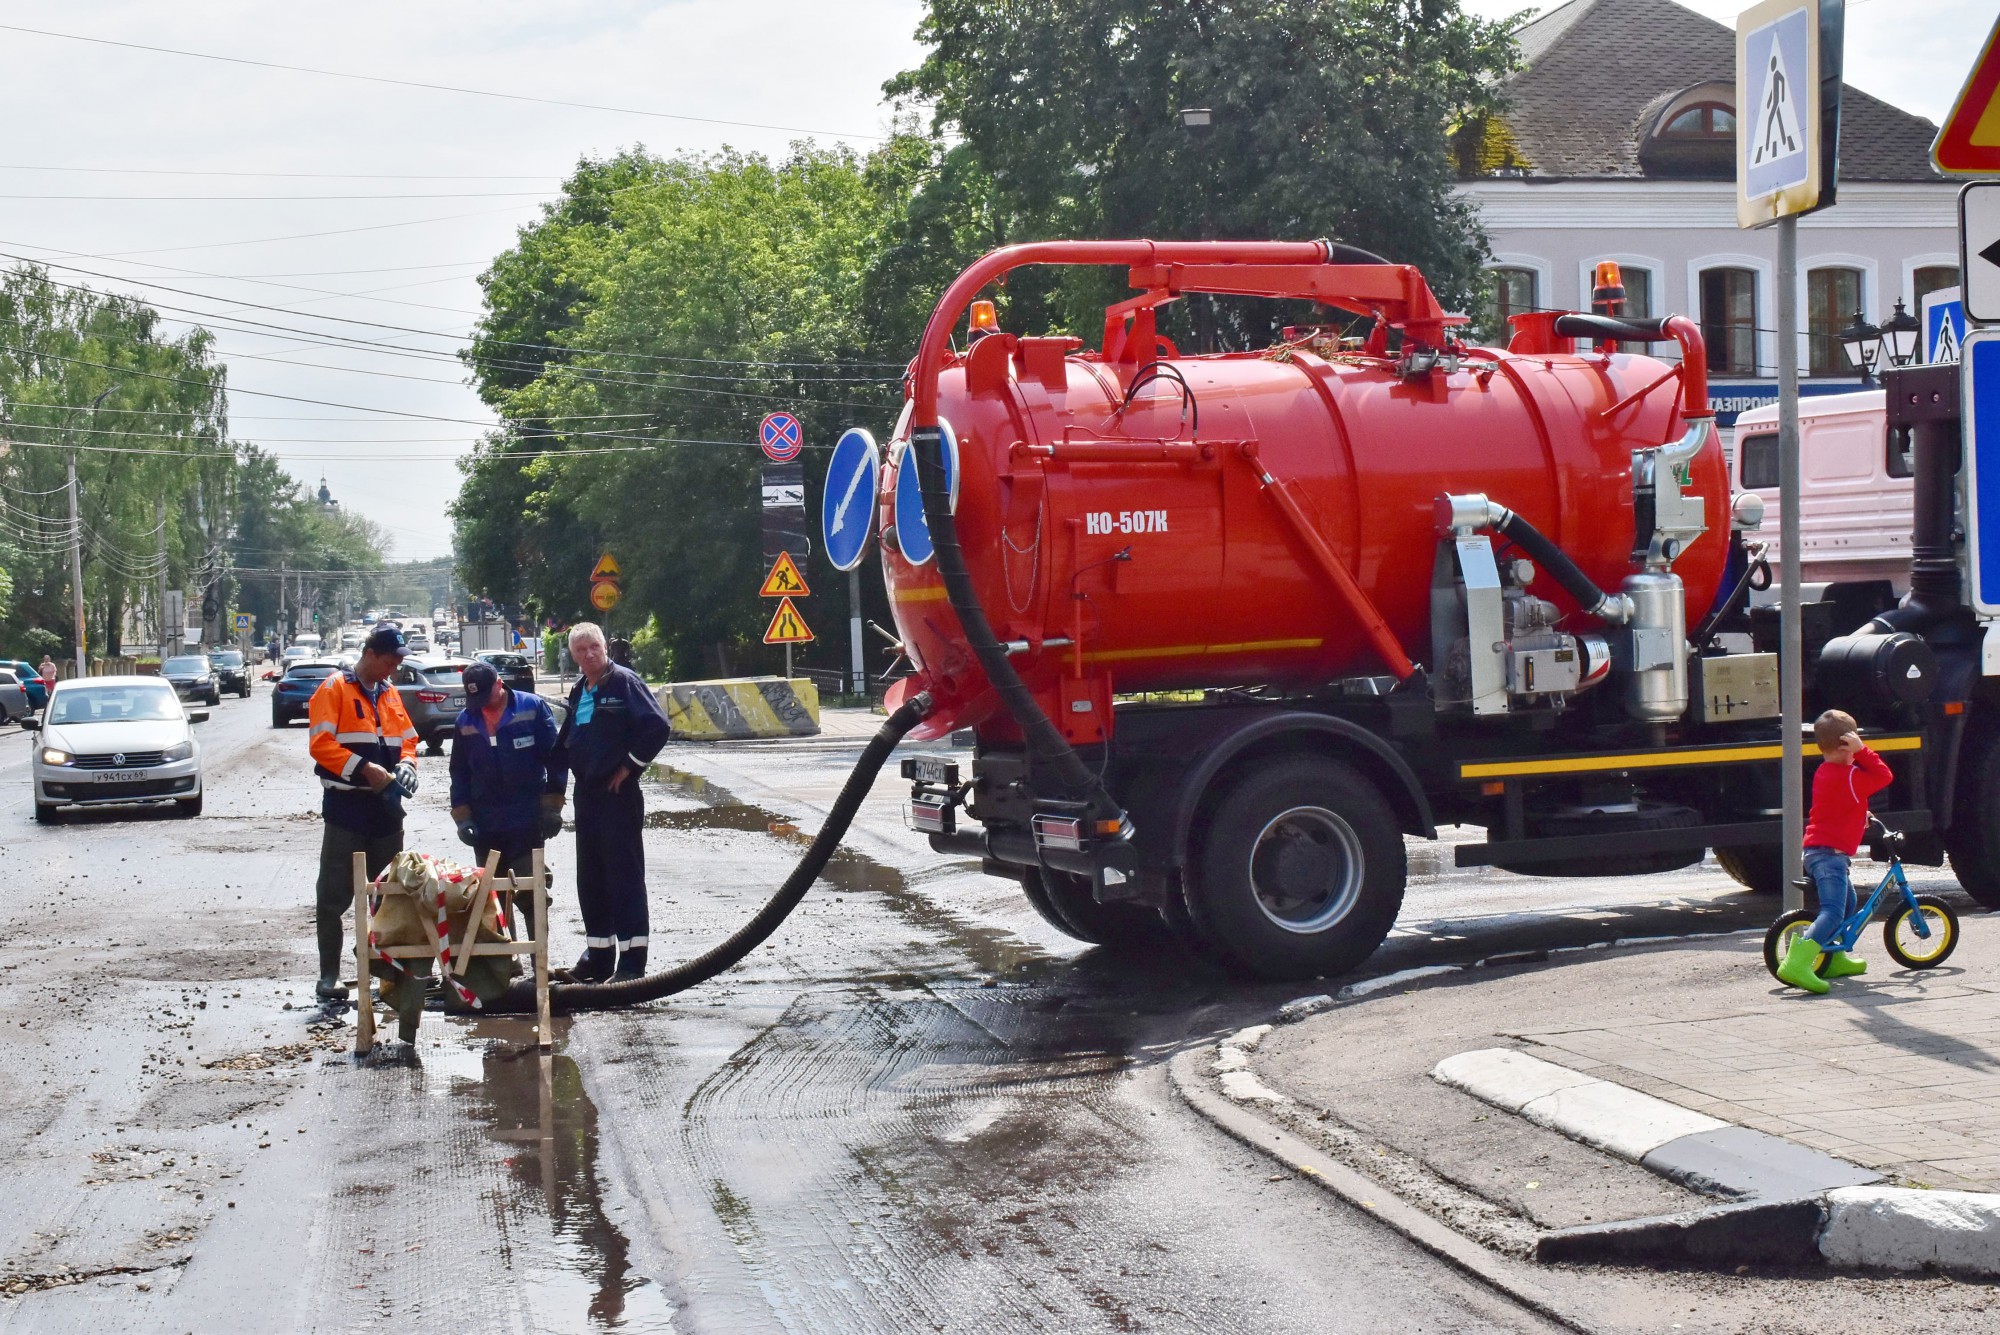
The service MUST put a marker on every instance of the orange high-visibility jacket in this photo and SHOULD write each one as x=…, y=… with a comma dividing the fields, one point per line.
x=348, y=731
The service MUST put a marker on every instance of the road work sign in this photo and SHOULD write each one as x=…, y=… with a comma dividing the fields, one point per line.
x=1780, y=120
x=784, y=581
x=781, y=436
x=1979, y=250
x=847, y=506
x=787, y=626
x=1968, y=143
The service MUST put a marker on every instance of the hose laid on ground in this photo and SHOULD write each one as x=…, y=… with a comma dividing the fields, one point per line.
x=519, y=999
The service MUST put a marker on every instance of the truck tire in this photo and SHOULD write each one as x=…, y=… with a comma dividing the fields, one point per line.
x=1759, y=868
x=1301, y=873
x=1064, y=899
x=1973, y=841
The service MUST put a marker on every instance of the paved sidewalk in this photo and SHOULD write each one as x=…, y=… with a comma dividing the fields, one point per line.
x=1897, y=1071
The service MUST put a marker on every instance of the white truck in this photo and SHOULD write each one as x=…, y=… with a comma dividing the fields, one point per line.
x=484, y=636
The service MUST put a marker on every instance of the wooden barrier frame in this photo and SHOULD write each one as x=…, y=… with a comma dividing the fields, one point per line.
x=510, y=889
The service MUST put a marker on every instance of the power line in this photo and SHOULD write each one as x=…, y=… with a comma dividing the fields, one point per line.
x=304, y=176
x=267, y=199
x=305, y=236
x=433, y=87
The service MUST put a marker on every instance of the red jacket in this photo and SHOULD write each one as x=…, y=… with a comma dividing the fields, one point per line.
x=1839, y=815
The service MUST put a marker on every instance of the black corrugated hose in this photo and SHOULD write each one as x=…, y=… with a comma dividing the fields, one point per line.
x=519, y=999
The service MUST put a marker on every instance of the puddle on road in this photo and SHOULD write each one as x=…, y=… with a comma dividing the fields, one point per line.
x=534, y=1103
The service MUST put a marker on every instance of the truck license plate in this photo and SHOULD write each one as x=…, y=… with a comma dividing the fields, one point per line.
x=121, y=775
x=933, y=769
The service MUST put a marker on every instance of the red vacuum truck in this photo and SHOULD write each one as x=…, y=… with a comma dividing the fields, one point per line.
x=1227, y=628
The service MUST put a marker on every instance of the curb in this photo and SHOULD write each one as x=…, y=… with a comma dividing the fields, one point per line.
x=1794, y=1203
x=1267, y=1137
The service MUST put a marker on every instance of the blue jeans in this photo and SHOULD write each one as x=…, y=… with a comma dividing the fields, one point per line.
x=1826, y=868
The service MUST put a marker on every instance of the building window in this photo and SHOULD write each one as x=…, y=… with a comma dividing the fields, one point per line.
x=1729, y=320
x=1928, y=280
x=1703, y=120
x=1833, y=299
x=1513, y=293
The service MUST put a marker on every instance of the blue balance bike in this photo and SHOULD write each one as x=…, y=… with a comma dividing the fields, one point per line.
x=1920, y=932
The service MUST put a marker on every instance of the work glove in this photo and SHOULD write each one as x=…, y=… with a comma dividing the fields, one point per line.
x=406, y=778
x=468, y=833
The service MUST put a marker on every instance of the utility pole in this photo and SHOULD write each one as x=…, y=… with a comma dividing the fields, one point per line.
x=167, y=635
x=281, y=604
x=1791, y=615
x=76, y=567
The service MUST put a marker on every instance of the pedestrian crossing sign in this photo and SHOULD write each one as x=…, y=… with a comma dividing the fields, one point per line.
x=787, y=627
x=784, y=581
x=1778, y=120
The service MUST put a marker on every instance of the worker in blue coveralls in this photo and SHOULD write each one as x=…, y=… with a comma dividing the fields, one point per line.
x=613, y=731
x=507, y=776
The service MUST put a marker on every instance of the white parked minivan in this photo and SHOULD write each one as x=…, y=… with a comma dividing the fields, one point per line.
x=1854, y=508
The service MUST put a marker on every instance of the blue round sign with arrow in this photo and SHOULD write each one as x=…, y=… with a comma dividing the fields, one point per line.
x=913, y=532
x=847, y=506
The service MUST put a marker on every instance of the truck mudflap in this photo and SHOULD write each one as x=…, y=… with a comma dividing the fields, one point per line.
x=1512, y=780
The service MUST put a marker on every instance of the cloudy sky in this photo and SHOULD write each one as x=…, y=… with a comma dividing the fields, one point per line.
x=233, y=192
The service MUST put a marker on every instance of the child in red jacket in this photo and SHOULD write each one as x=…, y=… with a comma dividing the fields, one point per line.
x=1848, y=774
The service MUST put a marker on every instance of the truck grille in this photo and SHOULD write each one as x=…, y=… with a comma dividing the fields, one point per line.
x=132, y=760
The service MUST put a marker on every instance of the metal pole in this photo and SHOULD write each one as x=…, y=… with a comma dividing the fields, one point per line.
x=280, y=628
x=788, y=662
x=76, y=568
x=856, y=666
x=1790, y=619
x=167, y=636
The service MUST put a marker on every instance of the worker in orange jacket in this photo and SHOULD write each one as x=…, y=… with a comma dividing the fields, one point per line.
x=364, y=752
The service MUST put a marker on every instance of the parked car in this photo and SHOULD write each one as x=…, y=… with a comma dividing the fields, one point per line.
x=116, y=740
x=232, y=674
x=14, y=705
x=293, y=694
x=433, y=692
x=192, y=678
x=514, y=669
x=31, y=680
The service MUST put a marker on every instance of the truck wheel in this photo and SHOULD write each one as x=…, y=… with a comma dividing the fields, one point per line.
x=1756, y=867
x=1973, y=841
x=1302, y=871
x=1064, y=899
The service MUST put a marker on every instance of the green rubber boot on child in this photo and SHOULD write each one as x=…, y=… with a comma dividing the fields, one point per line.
x=1840, y=964
x=1797, y=968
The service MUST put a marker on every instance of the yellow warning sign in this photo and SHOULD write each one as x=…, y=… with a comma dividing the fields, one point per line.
x=604, y=595
x=787, y=627
x=784, y=581
x=607, y=568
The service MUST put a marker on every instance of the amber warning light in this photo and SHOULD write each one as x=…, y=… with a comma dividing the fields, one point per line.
x=1608, y=294
x=984, y=319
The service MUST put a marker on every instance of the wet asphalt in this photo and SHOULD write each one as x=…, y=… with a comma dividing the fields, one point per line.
x=917, y=1109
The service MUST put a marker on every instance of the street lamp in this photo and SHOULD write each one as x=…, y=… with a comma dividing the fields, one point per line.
x=1900, y=336
x=1862, y=342
x=1197, y=120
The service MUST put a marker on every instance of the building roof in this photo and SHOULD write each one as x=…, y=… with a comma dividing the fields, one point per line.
x=1596, y=74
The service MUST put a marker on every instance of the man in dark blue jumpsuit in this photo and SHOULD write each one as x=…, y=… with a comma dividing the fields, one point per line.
x=613, y=731
x=507, y=776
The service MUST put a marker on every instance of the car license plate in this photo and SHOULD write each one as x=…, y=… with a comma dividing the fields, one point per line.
x=121, y=775
x=458, y=702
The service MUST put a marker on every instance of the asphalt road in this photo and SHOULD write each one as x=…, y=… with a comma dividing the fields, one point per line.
x=918, y=1109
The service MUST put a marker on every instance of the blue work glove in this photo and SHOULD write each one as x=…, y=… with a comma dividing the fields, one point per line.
x=406, y=778
x=468, y=833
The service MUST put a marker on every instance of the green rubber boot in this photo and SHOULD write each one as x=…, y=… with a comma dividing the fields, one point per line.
x=1797, y=968
x=1840, y=964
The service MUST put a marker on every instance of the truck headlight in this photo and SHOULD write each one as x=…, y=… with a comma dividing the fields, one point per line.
x=51, y=756
x=179, y=751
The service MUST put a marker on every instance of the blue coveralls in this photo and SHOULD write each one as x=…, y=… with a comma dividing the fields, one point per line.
x=504, y=775
x=616, y=724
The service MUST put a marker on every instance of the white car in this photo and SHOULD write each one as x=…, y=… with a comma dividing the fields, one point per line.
x=109, y=741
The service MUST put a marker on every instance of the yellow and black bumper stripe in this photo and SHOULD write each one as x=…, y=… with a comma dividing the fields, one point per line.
x=741, y=708
x=1528, y=767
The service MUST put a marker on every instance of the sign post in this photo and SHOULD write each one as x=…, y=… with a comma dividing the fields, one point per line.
x=1787, y=146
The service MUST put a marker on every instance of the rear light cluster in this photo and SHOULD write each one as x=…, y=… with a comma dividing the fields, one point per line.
x=432, y=697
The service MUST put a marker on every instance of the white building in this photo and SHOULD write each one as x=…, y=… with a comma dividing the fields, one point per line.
x=1617, y=142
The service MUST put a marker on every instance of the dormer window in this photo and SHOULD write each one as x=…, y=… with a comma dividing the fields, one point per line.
x=1704, y=120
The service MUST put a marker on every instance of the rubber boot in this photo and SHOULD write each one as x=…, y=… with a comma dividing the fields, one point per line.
x=594, y=965
x=329, y=988
x=1797, y=968
x=1840, y=964
x=631, y=963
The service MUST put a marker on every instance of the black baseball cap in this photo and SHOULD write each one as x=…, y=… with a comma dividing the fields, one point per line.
x=480, y=679
x=386, y=639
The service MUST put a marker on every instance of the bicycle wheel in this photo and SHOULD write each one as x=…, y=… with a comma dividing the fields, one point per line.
x=1899, y=933
x=1778, y=941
